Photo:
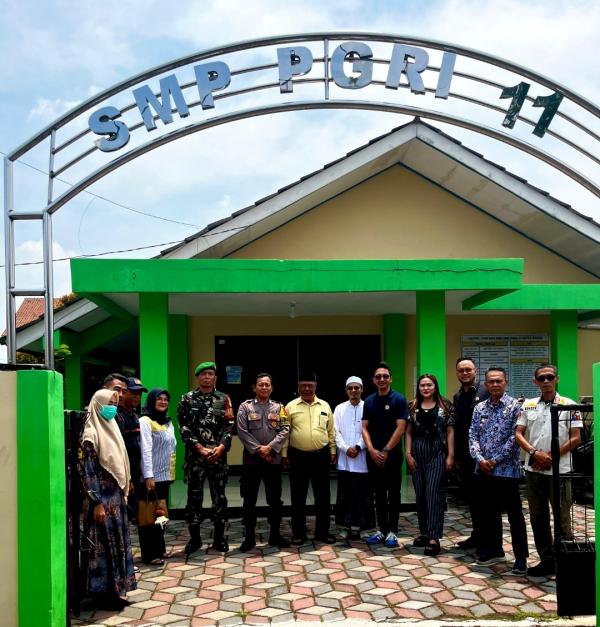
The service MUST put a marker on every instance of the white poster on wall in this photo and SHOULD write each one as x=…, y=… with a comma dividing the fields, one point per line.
x=519, y=355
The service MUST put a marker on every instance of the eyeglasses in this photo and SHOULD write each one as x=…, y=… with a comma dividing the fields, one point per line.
x=545, y=377
x=353, y=388
x=381, y=376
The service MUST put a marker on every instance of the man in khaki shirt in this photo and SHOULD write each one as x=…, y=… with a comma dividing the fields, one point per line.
x=309, y=453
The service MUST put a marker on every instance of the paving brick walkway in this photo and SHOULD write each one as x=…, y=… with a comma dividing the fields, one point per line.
x=319, y=582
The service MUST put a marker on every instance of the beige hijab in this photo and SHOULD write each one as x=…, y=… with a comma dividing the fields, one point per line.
x=107, y=440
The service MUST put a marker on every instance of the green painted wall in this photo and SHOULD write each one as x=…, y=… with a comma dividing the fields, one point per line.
x=431, y=335
x=42, y=521
x=564, y=351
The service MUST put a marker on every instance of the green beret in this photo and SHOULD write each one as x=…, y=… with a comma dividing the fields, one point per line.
x=205, y=365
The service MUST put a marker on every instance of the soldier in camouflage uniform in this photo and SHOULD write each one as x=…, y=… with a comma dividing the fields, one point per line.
x=263, y=428
x=205, y=422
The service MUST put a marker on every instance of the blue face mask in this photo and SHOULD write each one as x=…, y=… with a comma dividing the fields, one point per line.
x=108, y=412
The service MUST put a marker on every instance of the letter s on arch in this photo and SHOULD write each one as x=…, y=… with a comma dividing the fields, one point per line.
x=102, y=122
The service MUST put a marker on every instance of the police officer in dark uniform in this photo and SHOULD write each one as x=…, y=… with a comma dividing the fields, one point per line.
x=205, y=422
x=263, y=428
x=469, y=394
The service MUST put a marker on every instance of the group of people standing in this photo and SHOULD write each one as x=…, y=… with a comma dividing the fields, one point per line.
x=479, y=434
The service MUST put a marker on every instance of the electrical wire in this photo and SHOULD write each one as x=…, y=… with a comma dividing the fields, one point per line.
x=105, y=199
x=125, y=250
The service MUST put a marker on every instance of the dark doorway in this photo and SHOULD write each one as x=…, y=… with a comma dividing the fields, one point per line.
x=332, y=357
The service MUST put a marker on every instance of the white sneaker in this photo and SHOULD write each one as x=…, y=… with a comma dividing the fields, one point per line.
x=343, y=534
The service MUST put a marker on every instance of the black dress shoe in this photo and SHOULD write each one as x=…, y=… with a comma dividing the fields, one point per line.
x=279, y=541
x=469, y=543
x=192, y=546
x=247, y=545
x=543, y=569
x=298, y=540
x=222, y=546
x=421, y=541
x=325, y=539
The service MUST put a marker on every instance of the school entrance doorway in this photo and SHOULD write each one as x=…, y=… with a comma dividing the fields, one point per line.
x=332, y=357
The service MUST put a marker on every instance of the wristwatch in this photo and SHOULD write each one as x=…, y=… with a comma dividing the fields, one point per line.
x=532, y=451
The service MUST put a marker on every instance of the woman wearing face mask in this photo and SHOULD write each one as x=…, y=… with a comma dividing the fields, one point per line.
x=104, y=466
x=158, y=467
x=430, y=455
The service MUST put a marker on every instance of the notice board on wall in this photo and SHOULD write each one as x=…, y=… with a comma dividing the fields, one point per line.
x=519, y=355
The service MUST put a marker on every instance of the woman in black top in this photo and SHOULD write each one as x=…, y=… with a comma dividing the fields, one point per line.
x=430, y=455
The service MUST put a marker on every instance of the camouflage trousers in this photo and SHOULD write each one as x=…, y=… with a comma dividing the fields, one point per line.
x=195, y=474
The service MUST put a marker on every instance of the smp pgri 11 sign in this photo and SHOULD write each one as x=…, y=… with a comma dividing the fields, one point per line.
x=350, y=66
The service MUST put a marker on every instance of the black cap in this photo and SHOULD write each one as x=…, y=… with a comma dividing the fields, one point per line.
x=135, y=385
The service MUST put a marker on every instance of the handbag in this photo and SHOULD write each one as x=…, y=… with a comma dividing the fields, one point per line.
x=147, y=509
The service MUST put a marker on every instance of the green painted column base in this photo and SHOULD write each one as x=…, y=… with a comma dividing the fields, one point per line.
x=41, y=517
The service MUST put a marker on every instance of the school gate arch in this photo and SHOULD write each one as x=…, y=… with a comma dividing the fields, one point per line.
x=299, y=72
x=323, y=70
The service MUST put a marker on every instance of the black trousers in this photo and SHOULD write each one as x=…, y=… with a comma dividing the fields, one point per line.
x=152, y=539
x=252, y=475
x=385, y=485
x=429, y=481
x=498, y=494
x=468, y=486
x=309, y=467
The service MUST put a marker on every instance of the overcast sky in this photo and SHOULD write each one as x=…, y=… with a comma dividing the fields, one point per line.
x=56, y=54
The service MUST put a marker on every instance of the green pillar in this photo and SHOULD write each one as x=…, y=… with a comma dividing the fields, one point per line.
x=154, y=340
x=596, y=391
x=41, y=515
x=178, y=376
x=431, y=335
x=563, y=328
x=394, y=348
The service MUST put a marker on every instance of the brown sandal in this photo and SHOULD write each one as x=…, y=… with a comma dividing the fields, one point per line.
x=157, y=561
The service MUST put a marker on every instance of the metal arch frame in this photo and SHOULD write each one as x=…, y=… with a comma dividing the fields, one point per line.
x=324, y=37
x=282, y=39
x=190, y=129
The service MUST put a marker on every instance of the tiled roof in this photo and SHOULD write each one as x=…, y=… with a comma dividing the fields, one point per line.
x=31, y=310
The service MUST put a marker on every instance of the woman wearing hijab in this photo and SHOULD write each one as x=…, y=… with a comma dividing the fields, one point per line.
x=105, y=474
x=158, y=467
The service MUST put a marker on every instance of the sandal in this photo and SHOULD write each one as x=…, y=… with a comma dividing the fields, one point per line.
x=433, y=548
x=157, y=561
